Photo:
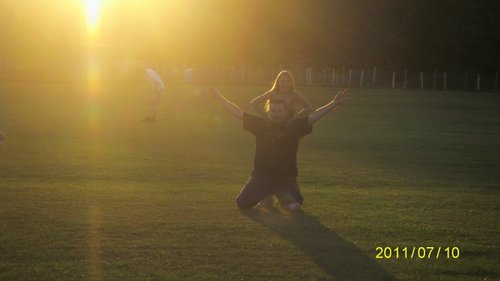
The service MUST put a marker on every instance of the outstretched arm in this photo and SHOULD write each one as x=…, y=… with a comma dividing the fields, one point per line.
x=227, y=104
x=258, y=101
x=321, y=112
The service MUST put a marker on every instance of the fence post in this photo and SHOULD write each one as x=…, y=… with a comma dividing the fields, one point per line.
x=393, y=79
x=374, y=75
x=421, y=80
x=350, y=76
x=362, y=76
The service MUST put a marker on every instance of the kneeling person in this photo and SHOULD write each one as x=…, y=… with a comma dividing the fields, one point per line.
x=277, y=139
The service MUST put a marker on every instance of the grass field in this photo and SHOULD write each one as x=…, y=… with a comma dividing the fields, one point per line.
x=87, y=192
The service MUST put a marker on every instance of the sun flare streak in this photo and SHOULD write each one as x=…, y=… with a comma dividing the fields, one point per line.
x=93, y=9
x=93, y=13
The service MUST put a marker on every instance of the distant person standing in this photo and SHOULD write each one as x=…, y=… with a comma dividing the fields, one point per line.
x=156, y=89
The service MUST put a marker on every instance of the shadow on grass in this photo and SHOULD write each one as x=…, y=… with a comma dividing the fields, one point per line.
x=336, y=256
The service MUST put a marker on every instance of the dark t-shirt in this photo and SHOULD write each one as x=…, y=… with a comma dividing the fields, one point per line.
x=276, y=146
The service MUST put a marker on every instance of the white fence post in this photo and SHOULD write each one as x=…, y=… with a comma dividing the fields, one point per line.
x=247, y=72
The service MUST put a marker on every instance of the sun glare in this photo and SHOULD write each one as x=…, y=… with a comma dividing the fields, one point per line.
x=93, y=12
x=93, y=9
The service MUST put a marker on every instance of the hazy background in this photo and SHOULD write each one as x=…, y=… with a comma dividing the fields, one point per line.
x=423, y=34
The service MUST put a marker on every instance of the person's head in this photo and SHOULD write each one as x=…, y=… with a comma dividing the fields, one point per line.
x=278, y=111
x=284, y=82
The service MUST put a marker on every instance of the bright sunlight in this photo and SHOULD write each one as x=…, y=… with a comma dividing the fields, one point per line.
x=92, y=11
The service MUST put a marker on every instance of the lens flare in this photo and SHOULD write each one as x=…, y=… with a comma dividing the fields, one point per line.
x=93, y=13
x=93, y=10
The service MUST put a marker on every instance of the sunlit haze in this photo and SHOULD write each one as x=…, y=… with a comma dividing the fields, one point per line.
x=92, y=11
x=171, y=29
x=232, y=31
x=92, y=14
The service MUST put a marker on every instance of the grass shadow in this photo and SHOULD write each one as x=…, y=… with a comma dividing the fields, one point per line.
x=338, y=257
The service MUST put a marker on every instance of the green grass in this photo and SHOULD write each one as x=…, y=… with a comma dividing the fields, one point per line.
x=87, y=192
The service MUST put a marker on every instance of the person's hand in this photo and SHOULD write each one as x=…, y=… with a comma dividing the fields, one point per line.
x=212, y=93
x=341, y=97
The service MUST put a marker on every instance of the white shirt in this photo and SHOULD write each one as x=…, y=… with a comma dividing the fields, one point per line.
x=155, y=79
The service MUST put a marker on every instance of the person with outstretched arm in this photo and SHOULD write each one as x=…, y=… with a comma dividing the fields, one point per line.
x=277, y=140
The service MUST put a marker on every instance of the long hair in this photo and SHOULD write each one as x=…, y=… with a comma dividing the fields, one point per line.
x=276, y=86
